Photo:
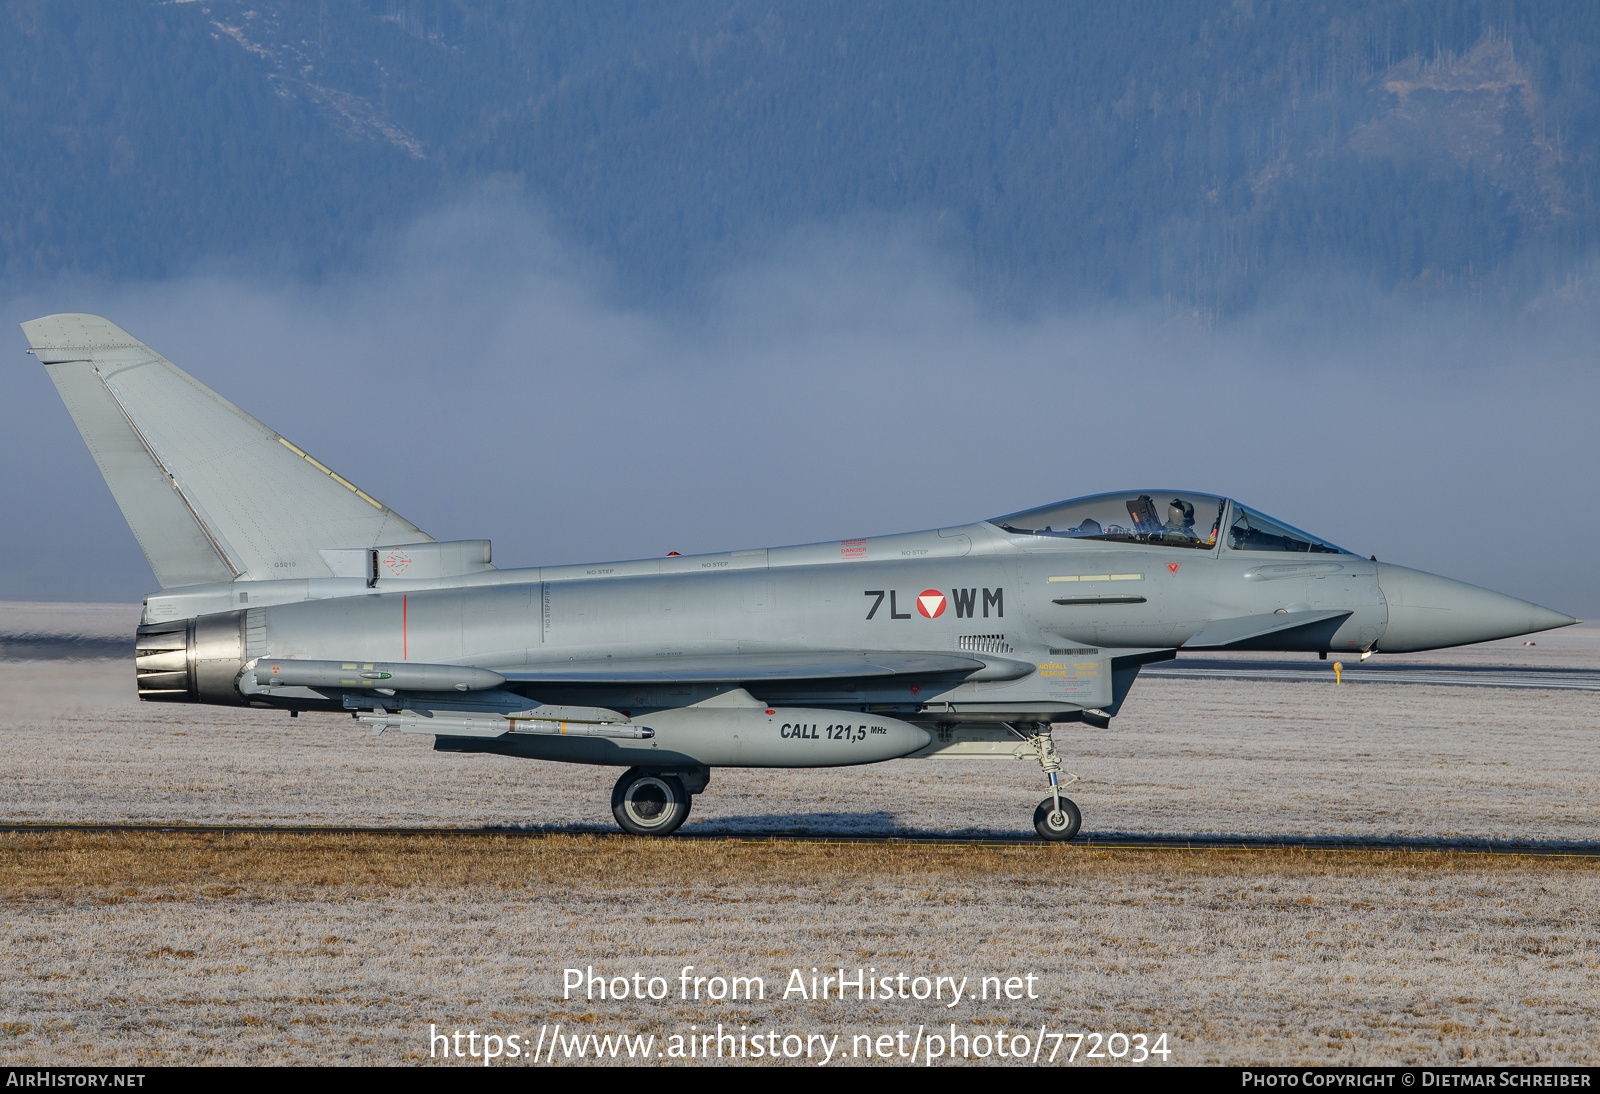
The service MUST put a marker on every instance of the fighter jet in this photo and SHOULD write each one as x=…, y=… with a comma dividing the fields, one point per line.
x=286, y=586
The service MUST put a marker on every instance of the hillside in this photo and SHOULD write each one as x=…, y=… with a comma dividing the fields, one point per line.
x=1193, y=152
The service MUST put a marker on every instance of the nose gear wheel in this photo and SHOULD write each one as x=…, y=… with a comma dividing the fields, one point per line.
x=1055, y=821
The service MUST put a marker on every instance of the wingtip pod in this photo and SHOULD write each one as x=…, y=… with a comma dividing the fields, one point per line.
x=76, y=330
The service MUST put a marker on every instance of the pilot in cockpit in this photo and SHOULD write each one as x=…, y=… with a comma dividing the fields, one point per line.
x=1180, y=520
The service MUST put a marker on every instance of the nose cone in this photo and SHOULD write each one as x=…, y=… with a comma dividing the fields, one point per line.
x=1428, y=612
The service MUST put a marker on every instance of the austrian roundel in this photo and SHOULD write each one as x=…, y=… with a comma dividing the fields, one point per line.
x=930, y=602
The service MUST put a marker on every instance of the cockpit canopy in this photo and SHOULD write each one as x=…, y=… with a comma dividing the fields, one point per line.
x=1164, y=518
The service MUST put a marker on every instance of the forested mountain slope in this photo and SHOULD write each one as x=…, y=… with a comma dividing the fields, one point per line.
x=1200, y=153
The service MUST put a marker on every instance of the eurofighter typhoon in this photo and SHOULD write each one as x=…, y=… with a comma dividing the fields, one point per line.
x=286, y=586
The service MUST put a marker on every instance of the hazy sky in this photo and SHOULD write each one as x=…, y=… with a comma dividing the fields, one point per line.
x=482, y=381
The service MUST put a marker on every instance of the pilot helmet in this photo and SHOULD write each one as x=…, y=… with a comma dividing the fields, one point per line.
x=1180, y=511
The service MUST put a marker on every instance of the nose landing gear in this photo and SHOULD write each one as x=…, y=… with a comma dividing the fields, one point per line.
x=1056, y=818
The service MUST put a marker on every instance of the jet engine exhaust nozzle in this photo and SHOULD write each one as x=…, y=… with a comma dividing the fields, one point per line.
x=191, y=660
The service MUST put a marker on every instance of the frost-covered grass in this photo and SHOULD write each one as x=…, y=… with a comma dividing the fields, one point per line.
x=160, y=948
x=150, y=948
x=1187, y=756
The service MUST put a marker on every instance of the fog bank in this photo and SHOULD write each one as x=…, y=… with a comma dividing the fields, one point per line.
x=484, y=382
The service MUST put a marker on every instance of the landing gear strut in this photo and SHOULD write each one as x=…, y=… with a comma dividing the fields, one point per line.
x=1057, y=818
x=650, y=803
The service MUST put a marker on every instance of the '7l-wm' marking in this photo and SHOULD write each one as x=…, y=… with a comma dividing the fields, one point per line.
x=931, y=603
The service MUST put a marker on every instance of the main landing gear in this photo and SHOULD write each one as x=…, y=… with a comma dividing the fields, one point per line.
x=654, y=803
x=1057, y=818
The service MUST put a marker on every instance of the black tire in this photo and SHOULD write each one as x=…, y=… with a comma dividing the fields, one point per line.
x=1054, y=830
x=647, y=803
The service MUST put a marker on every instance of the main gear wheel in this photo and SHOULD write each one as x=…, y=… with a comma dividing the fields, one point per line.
x=648, y=803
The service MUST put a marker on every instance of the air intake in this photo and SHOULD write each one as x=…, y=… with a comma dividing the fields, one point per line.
x=984, y=643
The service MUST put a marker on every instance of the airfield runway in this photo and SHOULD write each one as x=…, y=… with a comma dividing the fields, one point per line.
x=1356, y=672
x=1275, y=870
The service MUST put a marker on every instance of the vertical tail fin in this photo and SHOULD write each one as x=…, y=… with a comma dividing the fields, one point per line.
x=210, y=493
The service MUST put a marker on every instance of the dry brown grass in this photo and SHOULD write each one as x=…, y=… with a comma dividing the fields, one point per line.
x=62, y=866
